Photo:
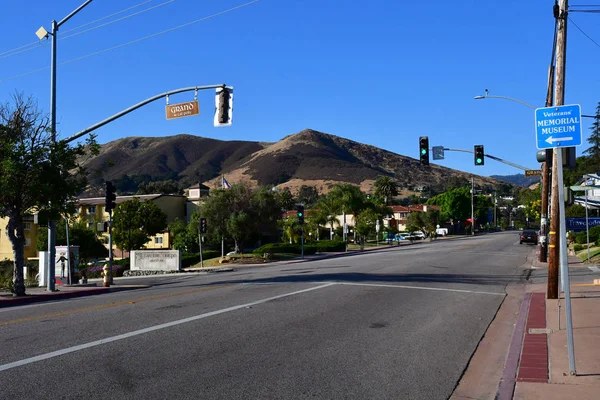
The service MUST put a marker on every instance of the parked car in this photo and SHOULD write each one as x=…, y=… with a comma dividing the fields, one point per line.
x=528, y=236
x=418, y=235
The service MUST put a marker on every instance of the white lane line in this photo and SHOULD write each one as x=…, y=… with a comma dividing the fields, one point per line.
x=421, y=288
x=595, y=269
x=84, y=346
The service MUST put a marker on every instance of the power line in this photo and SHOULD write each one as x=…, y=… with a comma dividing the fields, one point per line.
x=134, y=41
x=36, y=44
x=585, y=34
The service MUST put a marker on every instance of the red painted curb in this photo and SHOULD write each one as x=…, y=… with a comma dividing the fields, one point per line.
x=508, y=381
x=534, y=355
x=38, y=298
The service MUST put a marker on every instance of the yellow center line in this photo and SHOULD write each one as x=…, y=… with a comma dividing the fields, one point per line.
x=109, y=305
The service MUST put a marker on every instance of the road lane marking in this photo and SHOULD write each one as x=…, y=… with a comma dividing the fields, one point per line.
x=421, y=288
x=108, y=305
x=595, y=269
x=95, y=343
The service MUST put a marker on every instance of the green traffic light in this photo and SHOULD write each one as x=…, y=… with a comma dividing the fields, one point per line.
x=299, y=214
x=423, y=151
x=479, y=161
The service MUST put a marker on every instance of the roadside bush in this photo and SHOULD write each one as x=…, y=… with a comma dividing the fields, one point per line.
x=296, y=248
x=191, y=259
x=578, y=247
x=581, y=238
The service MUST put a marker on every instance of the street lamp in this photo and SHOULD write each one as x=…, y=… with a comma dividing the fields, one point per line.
x=42, y=33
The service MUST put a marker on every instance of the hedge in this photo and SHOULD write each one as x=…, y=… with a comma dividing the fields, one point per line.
x=578, y=247
x=296, y=248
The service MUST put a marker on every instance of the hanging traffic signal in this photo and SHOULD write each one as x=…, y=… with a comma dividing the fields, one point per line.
x=224, y=106
x=424, y=150
x=110, y=199
x=479, y=154
x=300, y=209
x=203, y=225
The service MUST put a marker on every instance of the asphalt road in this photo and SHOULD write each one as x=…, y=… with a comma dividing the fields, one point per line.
x=399, y=323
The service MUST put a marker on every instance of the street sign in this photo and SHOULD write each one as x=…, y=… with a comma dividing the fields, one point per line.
x=533, y=172
x=438, y=152
x=181, y=110
x=558, y=126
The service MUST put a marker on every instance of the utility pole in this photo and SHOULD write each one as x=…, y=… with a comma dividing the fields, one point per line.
x=543, y=257
x=558, y=226
x=495, y=206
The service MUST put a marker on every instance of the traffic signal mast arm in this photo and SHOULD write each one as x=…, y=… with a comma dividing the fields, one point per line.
x=492, y=157
x=135, y=107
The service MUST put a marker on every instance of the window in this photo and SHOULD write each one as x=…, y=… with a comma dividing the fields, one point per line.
x=158, y=240
x=27, y=226
x=27, y=242
x=91, y=209
x=91, y=225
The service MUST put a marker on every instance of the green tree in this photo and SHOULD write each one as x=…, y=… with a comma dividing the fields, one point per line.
x=308, y=195
x=386, y=188
x=365, y=225
x=575, y=211
x=135, y=221
x=594, y=139
x=327, y=211
x=286, y=199
x=34, y=173
x=184, y=238
x=163, y=187
x=455, y=204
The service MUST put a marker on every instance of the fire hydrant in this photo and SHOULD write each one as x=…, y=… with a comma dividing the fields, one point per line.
x=106, y=277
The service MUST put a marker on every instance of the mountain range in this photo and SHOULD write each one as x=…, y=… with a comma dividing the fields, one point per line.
x=308, y=157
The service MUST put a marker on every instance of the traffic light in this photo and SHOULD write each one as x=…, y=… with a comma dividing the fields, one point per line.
x=300, y=209
x=479, y=154
x=203, y=226
x=224, y=106
x=110, y=199
x=424, y=150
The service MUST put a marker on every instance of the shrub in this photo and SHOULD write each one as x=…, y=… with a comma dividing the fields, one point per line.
x=578, y=247
x=581, y=238
x=295, y=248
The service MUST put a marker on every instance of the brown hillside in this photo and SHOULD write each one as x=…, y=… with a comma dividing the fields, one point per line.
x=305, y=158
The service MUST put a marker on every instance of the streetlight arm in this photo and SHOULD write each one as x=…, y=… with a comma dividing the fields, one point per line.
x=506, y=98
x=135, y=107
x=65, y=19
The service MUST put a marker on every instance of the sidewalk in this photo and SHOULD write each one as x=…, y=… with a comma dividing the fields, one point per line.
x=543, y=367
x=40, y=294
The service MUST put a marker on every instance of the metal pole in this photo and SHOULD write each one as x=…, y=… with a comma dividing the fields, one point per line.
x=110, y=248
x=495, y=205
x=561, y=56
x=587, y=230
x=68, y=251
x=302, y=240
x=200, y=244
x=52, y=224
x=472, y=206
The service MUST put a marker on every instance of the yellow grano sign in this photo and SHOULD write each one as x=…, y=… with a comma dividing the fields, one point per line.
x=533, y=172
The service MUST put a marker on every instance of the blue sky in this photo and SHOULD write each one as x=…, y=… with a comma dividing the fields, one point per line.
x=378, y=72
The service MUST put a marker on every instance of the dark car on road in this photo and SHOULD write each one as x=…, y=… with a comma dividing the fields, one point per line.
x=528, y=236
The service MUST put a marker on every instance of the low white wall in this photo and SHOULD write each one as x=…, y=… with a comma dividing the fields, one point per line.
x=155, y=260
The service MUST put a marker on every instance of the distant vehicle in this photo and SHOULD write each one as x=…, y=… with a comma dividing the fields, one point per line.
x=528, y=236
x=403, y=236
x=418, y=235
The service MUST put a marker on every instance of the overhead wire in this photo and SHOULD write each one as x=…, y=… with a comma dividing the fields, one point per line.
x=33, y=45
x=134, y=41
x=585, y=34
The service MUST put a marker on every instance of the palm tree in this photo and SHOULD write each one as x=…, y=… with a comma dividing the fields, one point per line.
x=348, y=199
x=385, y=187
x=327, y=213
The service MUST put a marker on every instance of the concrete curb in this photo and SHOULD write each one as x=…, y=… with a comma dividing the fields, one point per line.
x=46, y=297
x=508, y=381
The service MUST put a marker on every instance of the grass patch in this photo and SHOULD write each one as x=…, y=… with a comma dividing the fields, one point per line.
x=238, y=259
x=594, y=251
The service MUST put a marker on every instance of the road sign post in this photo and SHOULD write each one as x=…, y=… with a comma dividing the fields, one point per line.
x=558, y=126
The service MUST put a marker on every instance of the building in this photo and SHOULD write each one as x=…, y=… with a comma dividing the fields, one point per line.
x=31, y=231
x=195, y=194
x=91, y=210
x=399, y=216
